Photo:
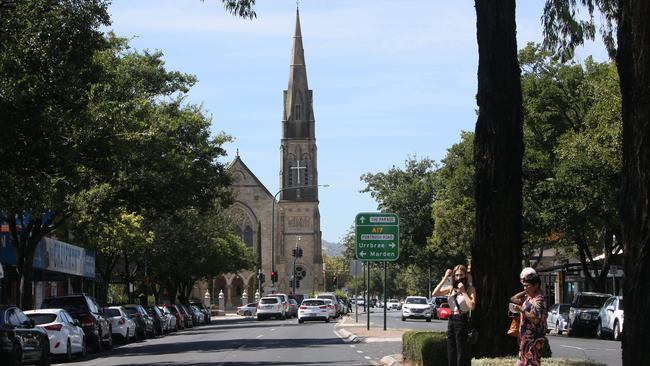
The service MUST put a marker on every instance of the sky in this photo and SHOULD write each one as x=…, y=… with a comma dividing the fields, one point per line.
x=391, y=79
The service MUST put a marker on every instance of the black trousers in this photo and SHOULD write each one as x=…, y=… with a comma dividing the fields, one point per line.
x=458, y=348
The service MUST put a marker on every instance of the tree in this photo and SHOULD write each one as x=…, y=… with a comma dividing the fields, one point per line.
x=632, y=35
x=46, y=73
x=498, y=151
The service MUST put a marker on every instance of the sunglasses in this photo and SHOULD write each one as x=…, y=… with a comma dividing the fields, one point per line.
x=526, y=284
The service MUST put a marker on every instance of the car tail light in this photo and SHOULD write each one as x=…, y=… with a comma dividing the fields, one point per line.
x=323, y=307
x=87, y=321
x=303, y=308
x=56, y=327
x=121, y=321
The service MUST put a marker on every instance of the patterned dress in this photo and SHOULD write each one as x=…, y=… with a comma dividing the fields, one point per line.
x=531, y=336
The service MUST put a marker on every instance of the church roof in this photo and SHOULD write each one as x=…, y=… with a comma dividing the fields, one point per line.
x=238, y=162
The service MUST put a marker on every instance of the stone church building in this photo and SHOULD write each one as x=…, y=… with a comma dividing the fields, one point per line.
x=295, y=205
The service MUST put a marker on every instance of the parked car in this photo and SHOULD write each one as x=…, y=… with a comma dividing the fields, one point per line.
x=84, y=308
x=122, y=325
x=64, y=333
x=206, y=312
x=444, y=311
x=180, y=318
x=187, y=315
x=199, y=317
x=392, y=304
x=610, y=318
x=159, y=320
x=284, y=298
x=416, y=307
x=313, y=309
x=583, y=313
x=558, y=318
x=21, y=340
x=270, y=307
x=143, y=322
x=293, y=308
x=334, y=300
x=435, y=303
x=331, y=307
x=248, y=309
x=172, y=325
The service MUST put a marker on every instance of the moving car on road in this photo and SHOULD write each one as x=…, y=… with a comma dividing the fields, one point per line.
x=313, y=309
x=65, y=335
x=416, y=307
x=270, y=307
x=393, y=304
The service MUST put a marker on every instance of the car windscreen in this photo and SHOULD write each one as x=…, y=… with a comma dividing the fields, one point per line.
x=73, y=305
x=131, y=311
x=416, y=300
x=313, y=303
x=593, y=302
x=440, y=300
x=273, y=300
x=112, y=312
x=42, y=318
x=620, y=304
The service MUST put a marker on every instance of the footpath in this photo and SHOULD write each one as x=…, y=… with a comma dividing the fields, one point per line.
x=354, y=332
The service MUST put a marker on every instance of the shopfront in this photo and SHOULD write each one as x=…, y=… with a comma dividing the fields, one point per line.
x=59, y=269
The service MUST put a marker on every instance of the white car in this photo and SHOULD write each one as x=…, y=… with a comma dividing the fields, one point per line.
x=270, y=307
x=313, y=309
x=416, y=307
x=331, y=307
x=335, y=301
x=393, y=304
x=558, y=318
x=248, y=309
x=122, y=325
x=610, y=318
x=171, y=318
x=65, y=334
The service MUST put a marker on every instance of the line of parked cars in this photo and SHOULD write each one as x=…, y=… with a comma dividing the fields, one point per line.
x=590, y=314
x=67, y=326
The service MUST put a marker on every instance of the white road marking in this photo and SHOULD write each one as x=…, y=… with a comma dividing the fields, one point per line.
x=359, y=351
x=574, y=347
x=260, y=336
x=367, y=357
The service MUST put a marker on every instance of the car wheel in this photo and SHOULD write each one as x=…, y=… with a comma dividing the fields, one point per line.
x=428, y=320
x=300, y=321
x=84, y=348
x=68, y=353
x=599, y=330
x=109, y=342
x=283, y=317
x=327, y=320
x=403, y=319
x=247, y=313
x=45, y=356
x=97, y=346
x=17, y=353
x=557, y=328
x=617, y=331
x=127, y=338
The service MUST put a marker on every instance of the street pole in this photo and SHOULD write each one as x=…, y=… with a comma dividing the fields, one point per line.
x=273, y=221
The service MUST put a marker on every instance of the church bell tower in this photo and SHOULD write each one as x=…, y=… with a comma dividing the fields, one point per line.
x=299, y=215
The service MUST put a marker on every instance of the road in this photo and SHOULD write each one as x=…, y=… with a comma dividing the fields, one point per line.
x=246, y=342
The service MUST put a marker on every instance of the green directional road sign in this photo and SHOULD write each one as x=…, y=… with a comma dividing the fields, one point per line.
x=377, y=236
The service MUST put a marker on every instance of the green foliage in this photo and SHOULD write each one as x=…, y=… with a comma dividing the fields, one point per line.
x=425, y=348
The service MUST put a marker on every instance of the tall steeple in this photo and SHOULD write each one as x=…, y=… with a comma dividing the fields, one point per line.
x=298, y=112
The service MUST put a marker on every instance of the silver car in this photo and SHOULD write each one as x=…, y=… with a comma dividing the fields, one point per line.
x=558, y=318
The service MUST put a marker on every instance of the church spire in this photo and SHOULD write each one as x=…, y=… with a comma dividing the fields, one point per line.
x=297, y=99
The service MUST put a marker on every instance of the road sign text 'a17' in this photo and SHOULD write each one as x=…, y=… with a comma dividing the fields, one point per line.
x=377, y=236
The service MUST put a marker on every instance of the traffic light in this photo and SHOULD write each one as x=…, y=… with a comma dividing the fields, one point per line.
x=297, y=283
x=291, y=283
x=299, y=253
x=334, y=280
x=294, y=252
x=274, y=276
x=262, y=277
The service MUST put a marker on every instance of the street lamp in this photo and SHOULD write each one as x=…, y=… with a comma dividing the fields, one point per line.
x=273, y=221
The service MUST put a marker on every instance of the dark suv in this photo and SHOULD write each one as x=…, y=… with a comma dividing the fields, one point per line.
x=583, y=313
x=90, y=316
x=20, y=340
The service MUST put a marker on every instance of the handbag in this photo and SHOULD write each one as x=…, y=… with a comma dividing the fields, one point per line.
x=472, y=332
x=514, y=327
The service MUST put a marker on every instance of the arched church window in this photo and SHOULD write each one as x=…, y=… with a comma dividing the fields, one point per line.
x=248, y=236
x=238, y=232
x=237, y=291
x=296, y=112
x=290, y=175
x=306, y=173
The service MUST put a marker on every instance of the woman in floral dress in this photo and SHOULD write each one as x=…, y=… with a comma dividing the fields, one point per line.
x=532, y=327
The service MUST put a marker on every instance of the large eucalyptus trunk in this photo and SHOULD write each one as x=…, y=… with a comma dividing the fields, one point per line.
x=633, y=61
x=498, y=152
